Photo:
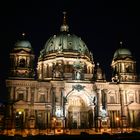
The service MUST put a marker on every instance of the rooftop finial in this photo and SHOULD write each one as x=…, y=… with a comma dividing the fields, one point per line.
x=64, y=26
x=23, y=35
x=98, y=64
x=121, y=43
x=64, y=18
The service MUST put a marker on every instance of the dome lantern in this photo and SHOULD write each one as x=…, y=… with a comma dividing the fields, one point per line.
x=64, y=27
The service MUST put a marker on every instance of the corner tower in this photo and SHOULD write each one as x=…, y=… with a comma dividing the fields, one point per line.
x=123, y=65
x=22, y=60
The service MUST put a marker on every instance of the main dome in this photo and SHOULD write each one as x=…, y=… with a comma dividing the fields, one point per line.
x=64, y=42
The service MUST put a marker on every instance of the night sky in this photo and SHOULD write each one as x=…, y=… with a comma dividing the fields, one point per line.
x=100, y=24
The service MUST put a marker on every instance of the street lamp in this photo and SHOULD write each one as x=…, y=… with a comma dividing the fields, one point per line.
x=117, y=122
x=19, y=120
x=19, y=112
x=117, y=119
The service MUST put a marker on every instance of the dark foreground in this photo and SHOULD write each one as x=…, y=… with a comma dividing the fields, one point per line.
x=83, y=136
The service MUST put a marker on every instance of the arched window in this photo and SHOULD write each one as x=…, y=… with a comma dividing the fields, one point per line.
x=20, y=96
x=131, y=98
x=42, y=98
x=112, y=99
x=22, y=62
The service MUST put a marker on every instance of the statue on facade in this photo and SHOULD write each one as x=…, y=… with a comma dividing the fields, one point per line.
x=103, y=113
x=78, y=75
x=91, y=56
x=58, y=70
x=78, y=70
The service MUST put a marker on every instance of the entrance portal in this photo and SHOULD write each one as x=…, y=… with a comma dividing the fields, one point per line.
x=79, y=116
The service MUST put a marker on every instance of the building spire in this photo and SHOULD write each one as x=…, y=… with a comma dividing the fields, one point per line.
x=64, y=27
x=23, y=35
x=121, y=44
x=64, y=18
x=98, y=64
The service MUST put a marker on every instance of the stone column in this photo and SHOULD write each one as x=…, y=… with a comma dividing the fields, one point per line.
x=53, y=97
x=66, y=114
x=42, y=70
x=98, y=101
x=11, y=92
x=123, y=117
x=14, y=93
x=36, y=95
x=97, y=111
x=28, y=94
x=94, y=115
x=123, y=69
x=122, y=101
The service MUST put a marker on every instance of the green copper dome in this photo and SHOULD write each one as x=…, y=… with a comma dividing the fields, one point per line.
x=23, y=44
x=65, y=42
x=122, y=52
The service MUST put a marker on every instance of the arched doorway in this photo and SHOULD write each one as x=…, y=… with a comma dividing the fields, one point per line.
x=19, y=119
x=79, y=114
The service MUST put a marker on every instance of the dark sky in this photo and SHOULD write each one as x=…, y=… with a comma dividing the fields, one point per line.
x=100, y=24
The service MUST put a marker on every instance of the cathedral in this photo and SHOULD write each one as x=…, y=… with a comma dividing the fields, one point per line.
x=66, y=90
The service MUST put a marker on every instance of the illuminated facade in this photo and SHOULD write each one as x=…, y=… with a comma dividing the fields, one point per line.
x=69, y=91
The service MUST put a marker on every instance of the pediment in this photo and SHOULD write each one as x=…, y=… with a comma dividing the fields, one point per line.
x=20, y=102
x=23, y=52
x=134, y=106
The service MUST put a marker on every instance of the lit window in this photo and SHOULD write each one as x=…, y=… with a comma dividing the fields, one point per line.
x=20, y=96
x=22, y=62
